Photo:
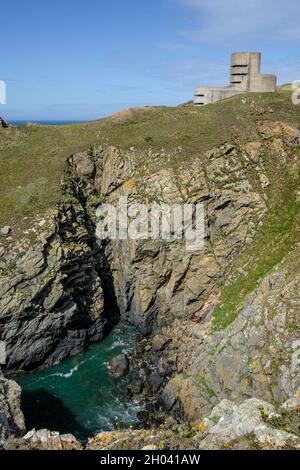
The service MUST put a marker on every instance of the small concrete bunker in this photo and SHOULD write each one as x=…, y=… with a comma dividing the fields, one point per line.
x=245, y=77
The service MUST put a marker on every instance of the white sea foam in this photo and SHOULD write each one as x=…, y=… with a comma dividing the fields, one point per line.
x=116, y=344
x=67, y=375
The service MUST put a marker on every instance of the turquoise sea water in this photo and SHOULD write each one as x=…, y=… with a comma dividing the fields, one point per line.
x=79, y=396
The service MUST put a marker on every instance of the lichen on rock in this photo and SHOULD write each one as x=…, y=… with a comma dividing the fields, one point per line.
x=220, y=326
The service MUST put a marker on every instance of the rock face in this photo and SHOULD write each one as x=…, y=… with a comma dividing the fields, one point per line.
x=11, y=416
x=171, y=294
x=6, y=231
x=229, y=423
x=253, y=424
x=52, y=302
x=257, y=355
x=43, y=440
x=158, y=282
x=61, y=294
x=13, y=434
x=119, y=365
x=248, y=426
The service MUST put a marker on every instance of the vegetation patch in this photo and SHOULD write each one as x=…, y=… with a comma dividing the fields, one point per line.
x=30, y=155
x=273, y=241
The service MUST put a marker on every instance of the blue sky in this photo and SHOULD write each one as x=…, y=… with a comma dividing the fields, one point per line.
x=74, y=59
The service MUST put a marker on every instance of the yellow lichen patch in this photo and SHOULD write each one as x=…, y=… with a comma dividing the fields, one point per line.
x=129, y=186
x=290, y=133
x=253, y=149
x=258, y=371
x=245, y=381
x=201, y=426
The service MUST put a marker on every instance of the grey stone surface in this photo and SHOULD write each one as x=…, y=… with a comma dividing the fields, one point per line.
x=11, y=416
x=52, y=290
x=247, y=426
x=119, y=365
x=51, y=294
x=5, y=231
x=258, y=355
x=52, y=303
x=248, y=422
x=43, y=439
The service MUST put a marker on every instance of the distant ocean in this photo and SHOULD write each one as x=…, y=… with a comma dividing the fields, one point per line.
x=45, y=123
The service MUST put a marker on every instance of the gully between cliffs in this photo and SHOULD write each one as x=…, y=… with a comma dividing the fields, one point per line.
x=62, y=289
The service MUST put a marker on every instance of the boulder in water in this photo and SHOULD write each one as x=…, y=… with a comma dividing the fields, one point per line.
x=119, y=365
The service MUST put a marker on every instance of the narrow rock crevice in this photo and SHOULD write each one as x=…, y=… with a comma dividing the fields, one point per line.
x=70, y=289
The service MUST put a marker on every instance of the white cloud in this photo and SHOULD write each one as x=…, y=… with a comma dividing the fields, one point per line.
x=171, y=46
x=254, y=21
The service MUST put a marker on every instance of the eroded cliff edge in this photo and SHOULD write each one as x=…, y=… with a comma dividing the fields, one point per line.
x=203, y=340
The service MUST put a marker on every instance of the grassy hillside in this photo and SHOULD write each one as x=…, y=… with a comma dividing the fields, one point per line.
x=32, y=159
x=277, y=236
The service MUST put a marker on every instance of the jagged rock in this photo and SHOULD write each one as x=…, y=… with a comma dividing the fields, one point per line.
x=43, y=440
x=11, y=416
x=6, y=231
x=227, y=427
x=275, y=439
x=33, y=263
x=57, y=287
x=154, y=382
x=292, y=404
x=225, y=408
x=4, y=124
x=84, y=165
x=247, y=426
x=247, y=421
x=246, y=359
x=113, y=171
x=275, y=129
x=159, y=342
x=160, y=287
x=51, y=296
x=119, y=365
x=12, y=425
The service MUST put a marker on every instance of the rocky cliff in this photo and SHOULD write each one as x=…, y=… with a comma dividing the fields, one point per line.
x=254, y=424
x=221, y=323
x=177, y=297
x=11, y=416
x=258, y=355
x=52, y=301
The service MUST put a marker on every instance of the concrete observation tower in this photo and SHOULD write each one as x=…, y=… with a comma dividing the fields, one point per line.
x=245, y=77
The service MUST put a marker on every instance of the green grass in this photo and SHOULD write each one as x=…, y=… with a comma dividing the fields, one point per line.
x=278, y=234
x=288, y=421
x=202, y=385
x=32, y=159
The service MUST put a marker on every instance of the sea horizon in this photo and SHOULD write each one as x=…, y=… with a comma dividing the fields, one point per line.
x=46, y=122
